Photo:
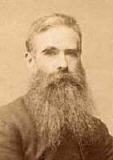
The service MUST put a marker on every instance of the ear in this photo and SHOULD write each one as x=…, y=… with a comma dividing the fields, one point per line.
x=30, y=61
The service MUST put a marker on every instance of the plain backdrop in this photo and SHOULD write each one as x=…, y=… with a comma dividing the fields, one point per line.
x=95, y=18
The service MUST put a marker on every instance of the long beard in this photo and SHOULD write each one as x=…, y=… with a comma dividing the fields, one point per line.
x=59, y=103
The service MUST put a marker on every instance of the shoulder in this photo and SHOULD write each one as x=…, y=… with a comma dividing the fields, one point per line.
x=13, y=109
x=15, y=118
x=99, y=126
x=97, y=132
x=16, y=130
x=97, y=143
x=15, y=115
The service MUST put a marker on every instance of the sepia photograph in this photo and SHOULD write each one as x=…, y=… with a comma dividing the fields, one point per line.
x=56, y=80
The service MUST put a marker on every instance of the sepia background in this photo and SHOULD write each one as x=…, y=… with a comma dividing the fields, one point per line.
x=96, y=21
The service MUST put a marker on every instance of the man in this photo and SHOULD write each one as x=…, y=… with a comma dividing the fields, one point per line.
x=54, y=120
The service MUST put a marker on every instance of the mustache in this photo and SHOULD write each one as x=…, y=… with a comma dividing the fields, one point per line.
x=67, y=80
x=60, y=79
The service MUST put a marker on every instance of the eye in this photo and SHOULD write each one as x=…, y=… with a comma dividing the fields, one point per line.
x=51, y=53
x=71, y=52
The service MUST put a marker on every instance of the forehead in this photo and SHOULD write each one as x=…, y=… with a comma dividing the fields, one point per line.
x=61, y=37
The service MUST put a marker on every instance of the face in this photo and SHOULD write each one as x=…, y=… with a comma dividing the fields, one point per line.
x=56, y=49
x=58, y=103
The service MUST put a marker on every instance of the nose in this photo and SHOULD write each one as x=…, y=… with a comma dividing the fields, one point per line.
x=62, y=64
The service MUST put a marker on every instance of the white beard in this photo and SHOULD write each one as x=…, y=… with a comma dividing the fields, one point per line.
x=59, y=102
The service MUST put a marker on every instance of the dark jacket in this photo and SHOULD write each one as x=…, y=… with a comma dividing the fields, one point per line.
x=19, y=141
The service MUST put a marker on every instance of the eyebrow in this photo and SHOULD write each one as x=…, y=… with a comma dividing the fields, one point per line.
x=71, y=50
x=50, y=49
x=66, y=51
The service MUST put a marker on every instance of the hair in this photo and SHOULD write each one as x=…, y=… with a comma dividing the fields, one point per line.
x=59, y=105
x=44, y=23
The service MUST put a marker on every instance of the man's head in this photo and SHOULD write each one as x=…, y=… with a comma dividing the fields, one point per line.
x=54, y=44
x=58, y=97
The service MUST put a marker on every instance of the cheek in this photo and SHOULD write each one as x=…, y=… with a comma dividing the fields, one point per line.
x=46, y=64
x=72, y=64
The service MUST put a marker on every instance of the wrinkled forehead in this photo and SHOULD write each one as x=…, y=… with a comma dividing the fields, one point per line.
x=60, y=37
